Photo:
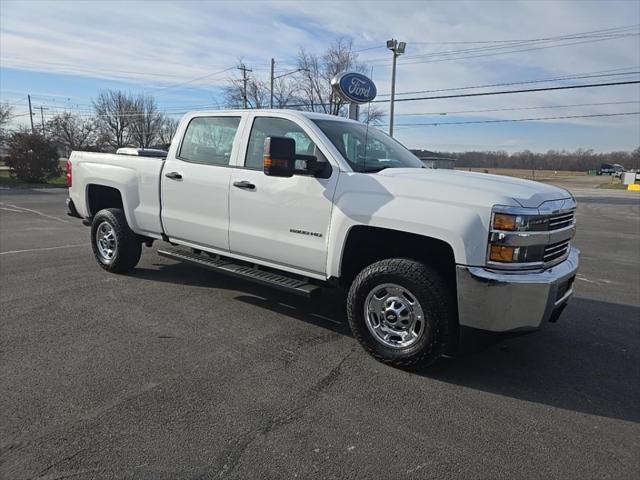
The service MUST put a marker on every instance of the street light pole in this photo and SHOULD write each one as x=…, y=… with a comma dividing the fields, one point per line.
x=393, y=93
x=397, y=48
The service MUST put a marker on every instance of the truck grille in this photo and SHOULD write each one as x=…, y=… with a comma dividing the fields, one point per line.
x=555, y=251
x=561, y=220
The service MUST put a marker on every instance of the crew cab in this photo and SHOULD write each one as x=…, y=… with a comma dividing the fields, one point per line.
x=304, y=201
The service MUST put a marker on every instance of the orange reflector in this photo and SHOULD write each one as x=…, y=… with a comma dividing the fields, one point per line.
x=274, y=162
x=499, y=253
x=502, y=221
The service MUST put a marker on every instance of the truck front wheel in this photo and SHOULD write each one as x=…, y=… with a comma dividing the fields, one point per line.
x=115, y=246
x=402, y=312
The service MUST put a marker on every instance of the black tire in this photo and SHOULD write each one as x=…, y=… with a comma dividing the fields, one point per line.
x=128, y=246
x=435, y=297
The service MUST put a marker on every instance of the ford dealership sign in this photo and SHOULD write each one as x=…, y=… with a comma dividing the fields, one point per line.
x=354, y=87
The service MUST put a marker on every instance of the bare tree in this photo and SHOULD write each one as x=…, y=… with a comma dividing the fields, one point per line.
x=73, y=132
x=6, y=112
x=318, y=70
x=115, y=111
x=579, y=160
x=146, y=122
x=257, y=93
x=168, y=131
x=371, y=114
x=284, y=92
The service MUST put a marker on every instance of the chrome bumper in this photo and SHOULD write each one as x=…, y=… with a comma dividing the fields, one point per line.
x=501, y=301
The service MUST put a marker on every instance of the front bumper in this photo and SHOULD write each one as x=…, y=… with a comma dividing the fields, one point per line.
x=500, y=301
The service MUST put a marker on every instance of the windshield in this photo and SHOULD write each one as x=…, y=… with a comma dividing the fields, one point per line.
x=367, y=149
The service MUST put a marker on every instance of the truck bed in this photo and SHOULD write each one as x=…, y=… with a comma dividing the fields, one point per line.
x=136, y=177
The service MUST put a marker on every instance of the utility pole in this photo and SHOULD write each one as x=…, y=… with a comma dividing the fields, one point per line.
x=31, y=114
x=273, y=67
x=244, y=83
x=42, y=117
x=273, y=78
x=398, y=49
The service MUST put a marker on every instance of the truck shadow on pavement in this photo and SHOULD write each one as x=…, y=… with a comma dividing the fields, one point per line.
x=589, y=362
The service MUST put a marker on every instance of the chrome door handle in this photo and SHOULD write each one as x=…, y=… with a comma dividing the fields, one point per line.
x=245, y=185
x=173, y=175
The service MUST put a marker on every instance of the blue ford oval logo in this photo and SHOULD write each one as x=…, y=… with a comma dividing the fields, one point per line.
x=354, y=87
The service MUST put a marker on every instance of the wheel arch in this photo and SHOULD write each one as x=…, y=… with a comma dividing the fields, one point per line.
x=100, y=197
x=365, y=244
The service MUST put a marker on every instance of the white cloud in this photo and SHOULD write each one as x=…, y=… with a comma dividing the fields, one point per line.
x=155, y=44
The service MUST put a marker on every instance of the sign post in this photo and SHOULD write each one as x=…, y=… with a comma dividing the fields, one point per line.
x=355, y=89
x=354, y=111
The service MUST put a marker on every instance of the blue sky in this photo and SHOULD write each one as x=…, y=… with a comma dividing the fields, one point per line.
x=161, y=48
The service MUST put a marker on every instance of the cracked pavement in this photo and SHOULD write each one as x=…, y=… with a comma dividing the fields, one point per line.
x=178, y=373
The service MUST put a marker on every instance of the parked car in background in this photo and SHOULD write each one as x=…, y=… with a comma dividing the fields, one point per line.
x=611, y=169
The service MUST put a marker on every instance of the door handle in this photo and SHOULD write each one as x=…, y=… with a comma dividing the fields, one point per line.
x=244, y=184
x=173, y=175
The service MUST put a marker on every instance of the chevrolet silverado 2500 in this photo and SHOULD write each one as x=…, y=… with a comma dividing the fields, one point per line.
x=302, y=201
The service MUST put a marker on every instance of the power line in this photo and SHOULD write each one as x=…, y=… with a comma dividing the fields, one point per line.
x=193, y=80
x=18, y=115
x=504, y=92
x=527, y=40
x=524, y=43
x=75, y=68
x=595, y=74
x=16, y=102
x=517, y=43
x=424, y=114
x=381, y=61
x=520, y=82
x=482, y=94
x=435, y=124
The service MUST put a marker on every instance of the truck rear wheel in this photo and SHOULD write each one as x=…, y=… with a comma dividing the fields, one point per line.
x=115, y=246
x=402, y=312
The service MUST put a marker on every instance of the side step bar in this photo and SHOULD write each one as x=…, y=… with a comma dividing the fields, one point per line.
x=224, y=265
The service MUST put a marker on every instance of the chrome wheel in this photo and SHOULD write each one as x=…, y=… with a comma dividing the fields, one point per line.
x=394, y=316
x=106, y=241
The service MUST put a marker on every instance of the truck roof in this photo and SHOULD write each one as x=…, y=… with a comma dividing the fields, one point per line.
x=296, y=113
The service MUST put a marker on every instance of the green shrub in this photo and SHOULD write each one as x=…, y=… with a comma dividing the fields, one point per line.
x=32, y=158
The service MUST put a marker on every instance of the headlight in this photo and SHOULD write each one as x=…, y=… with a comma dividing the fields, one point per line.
x=502, y=248
x=511, y=254
x=522, y=238
x=519, y=223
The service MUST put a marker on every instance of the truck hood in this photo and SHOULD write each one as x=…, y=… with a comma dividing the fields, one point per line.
x=458, y=185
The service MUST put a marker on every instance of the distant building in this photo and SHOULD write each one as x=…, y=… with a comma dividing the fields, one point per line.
x=433, y=160
x=437, y=162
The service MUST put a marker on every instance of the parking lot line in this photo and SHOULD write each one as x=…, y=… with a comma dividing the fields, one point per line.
x=43, y=249
x=28, y=210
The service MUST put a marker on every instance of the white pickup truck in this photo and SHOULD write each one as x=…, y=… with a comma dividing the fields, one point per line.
x=302, y=201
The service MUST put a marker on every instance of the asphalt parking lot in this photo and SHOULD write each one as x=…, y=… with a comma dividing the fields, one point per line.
x=173, y=372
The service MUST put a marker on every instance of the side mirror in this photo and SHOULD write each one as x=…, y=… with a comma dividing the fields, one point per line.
x=279, y=156
x=316, y=166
